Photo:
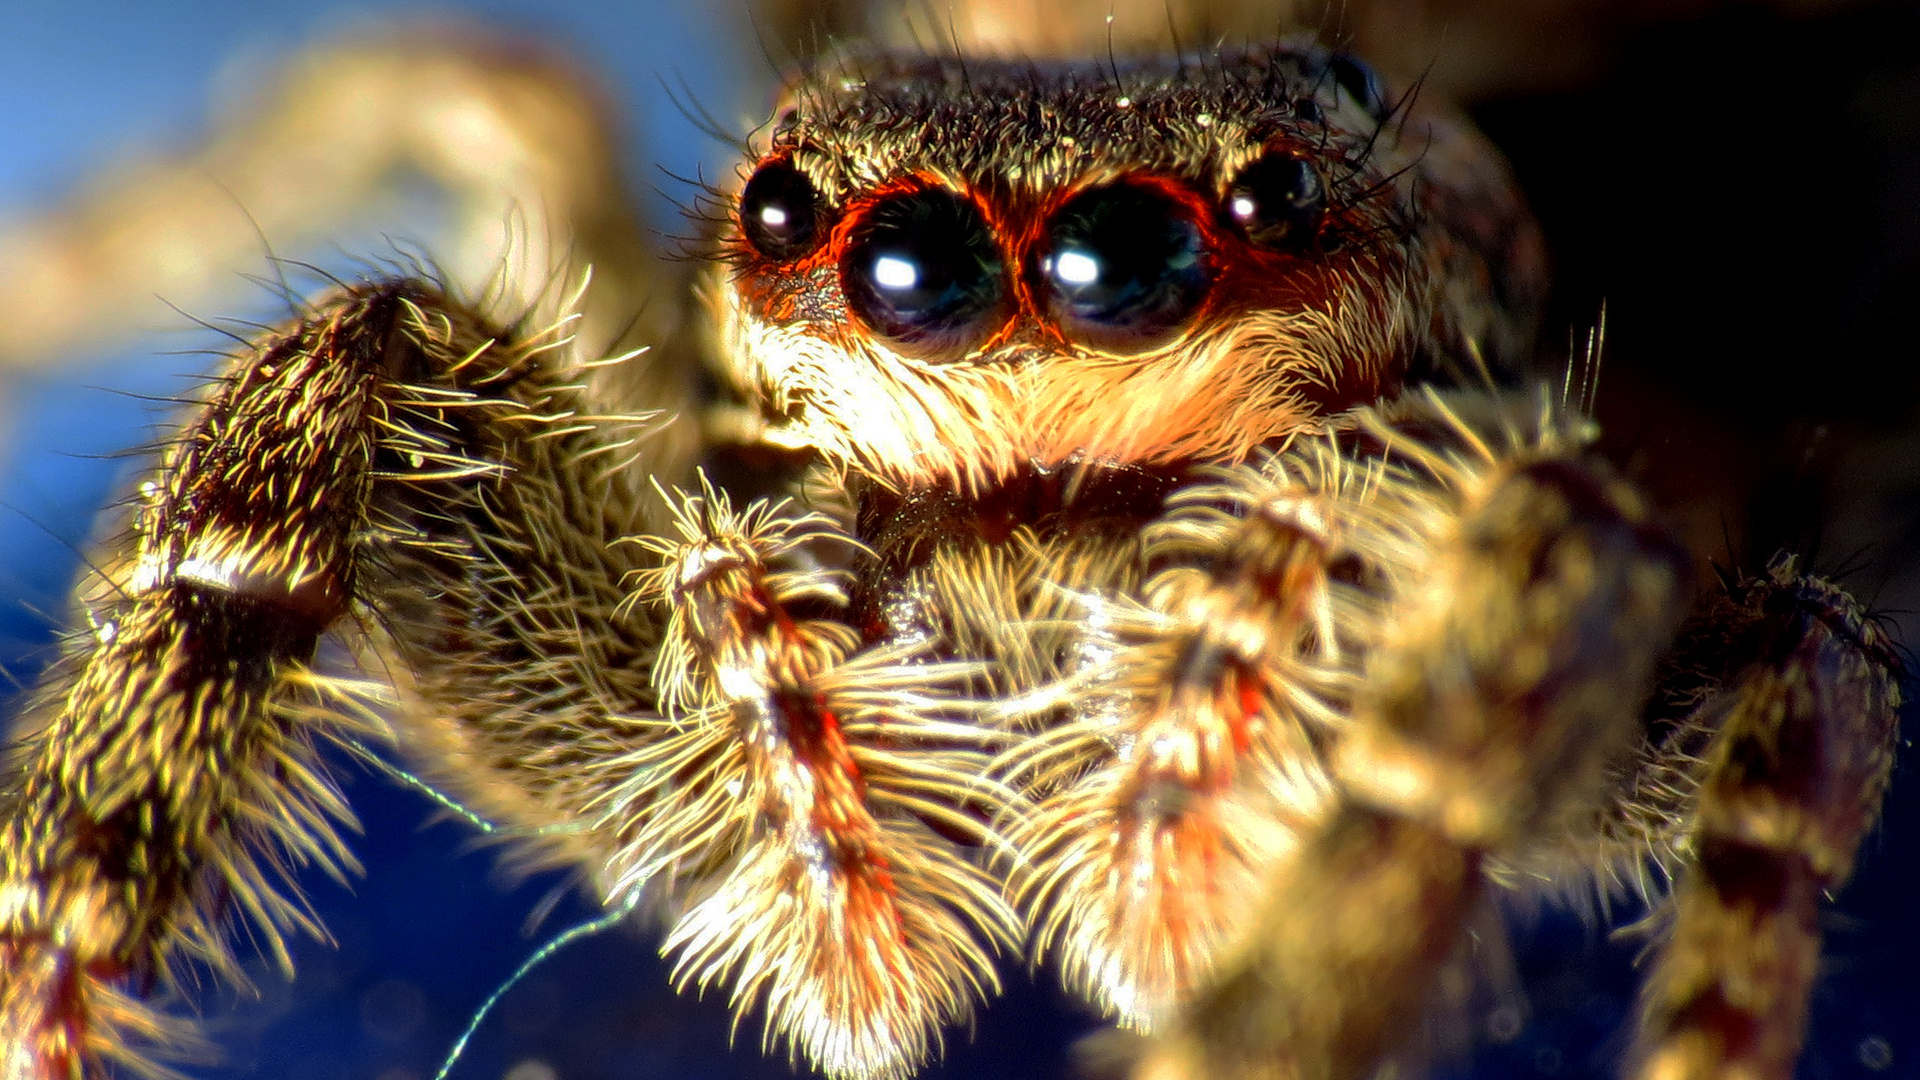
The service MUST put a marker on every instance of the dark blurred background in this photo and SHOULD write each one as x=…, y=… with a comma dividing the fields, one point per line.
x=1739, y=183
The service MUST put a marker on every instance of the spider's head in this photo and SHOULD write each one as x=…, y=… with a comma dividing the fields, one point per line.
x=940, y=271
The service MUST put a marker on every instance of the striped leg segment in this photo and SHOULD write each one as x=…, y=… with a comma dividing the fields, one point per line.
x=803, y=798
x=1793, y=779
x=167, y=783
x=1191, y=760
x=1505, y=684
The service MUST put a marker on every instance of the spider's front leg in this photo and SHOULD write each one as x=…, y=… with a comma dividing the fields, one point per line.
x=1799, y=689
x=390, y=460
x=1502, y=688
x=1191, y=756
x=806, y=797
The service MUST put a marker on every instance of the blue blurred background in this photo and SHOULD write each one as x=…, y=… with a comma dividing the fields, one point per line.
x=433, y=927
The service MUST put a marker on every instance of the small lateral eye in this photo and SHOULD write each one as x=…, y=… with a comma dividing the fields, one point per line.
x=778, y=211
x=1358, y=79
x=922, y=268
x=1124, y=266
x=1278, y=201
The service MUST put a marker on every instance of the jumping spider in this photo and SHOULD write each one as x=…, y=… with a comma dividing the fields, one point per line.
x=1100, y=542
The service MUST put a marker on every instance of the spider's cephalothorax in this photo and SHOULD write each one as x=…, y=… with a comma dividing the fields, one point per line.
x=1016, y=319
x=957, y=271
x=1131, y=596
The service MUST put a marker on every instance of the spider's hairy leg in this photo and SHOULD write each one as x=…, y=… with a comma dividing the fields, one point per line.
x=804, y=798
x=1503, y=688
x=166, y=782
x=1205, y=711
x=1804, y=722
x=143, y=802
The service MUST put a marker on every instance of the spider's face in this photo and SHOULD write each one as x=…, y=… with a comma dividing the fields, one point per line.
x=940, y=271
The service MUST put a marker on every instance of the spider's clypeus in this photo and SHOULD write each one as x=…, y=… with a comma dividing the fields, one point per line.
x=1099, y=543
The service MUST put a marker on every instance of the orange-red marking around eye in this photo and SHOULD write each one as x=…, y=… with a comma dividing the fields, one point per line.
x=1244, y=276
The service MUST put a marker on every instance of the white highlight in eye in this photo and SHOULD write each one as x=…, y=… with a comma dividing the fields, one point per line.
x=892, y=272
x=773, y=217
x=1242, y=207
x=1075, y=268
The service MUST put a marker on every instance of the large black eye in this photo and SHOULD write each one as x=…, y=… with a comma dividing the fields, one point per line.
x=1124, y=265
x=1278, y=200
x=922, y=269
x=777, y=211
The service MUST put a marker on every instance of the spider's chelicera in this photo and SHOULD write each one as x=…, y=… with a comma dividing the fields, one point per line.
x=1100, y=547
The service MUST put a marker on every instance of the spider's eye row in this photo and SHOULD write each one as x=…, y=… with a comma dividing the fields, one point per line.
x=1278, y=201
x=779, y=212
x=1118, y=266
x=1124, y=264
x=923, y=269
